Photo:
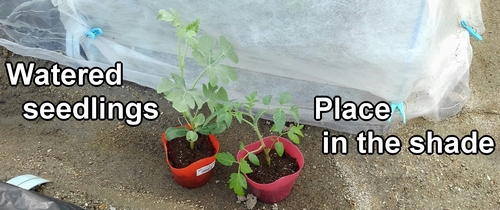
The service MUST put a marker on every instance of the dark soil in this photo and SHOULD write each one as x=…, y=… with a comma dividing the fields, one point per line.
x=280, y=167
x=181, y=155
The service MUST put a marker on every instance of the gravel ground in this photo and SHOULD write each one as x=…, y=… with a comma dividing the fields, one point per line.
x=109, y=165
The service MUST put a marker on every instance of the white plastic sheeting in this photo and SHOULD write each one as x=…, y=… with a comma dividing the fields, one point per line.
x=412, y=51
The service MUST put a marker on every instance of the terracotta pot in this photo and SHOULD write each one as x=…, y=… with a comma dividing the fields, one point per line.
x=281, y=188
x=198, y=173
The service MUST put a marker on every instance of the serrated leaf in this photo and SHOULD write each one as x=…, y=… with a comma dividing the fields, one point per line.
x=178, y=80
x=222, y=94
x=228, y=119
x=279, y=118
x=199, y=120
x=165, y=85
x=237, y=105
x=225, y=158
x=242, y=146
x=253, y=95
x=293, y=137
x=196, y=96
x=174, y=132
x=267, y=100
x=239, y=116
x=285, y=98
x=297, y=130
x=212, y=77
x=181, y=101
x=237, y=182
x=280, y=149
x=198, y=57
x=295, y=112
x=227, y=49
x=176, y=18
x=193, y=26
x=245, y=167
x=165, y=16
x=191, y=136
x=213, y=128
x=253, y=158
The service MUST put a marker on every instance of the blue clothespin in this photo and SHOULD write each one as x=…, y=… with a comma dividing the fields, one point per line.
x=401, y=108
x=93, y=33
x=471, y=31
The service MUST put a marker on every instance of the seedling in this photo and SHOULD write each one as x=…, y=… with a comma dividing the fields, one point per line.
x=187, y=99
x=237, y=181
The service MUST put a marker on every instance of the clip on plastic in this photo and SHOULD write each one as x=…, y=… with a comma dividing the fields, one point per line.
x=471, y=31
x=401, y=108
x=93, y=33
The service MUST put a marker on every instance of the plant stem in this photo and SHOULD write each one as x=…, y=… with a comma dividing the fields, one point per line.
x=184, y=60
x=204, y=71
x=191, y=144
x=259, y=135
x=181, y=63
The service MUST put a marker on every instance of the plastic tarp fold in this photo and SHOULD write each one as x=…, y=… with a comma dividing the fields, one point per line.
x=415, y=52
x=15, y=198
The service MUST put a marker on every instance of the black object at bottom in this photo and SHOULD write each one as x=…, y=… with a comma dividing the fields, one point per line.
x=15, y=198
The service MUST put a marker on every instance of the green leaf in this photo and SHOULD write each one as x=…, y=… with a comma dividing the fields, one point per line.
x=237, y=182
x=196, y=96
x=179, y=81
x=165, y=16
x=279, y=118
x=221, y=72
x=239, y=116
x=242, y=146
x=253, y=158
x=213, y=128
x=253, y=95
x=267, y=100
x=227, y=49
x=225, y=158
x=297, y=129
x=199, y=120
x=181, y=101
x=245, y=167
x=191, y=136
x=237, y=105
x=198, y=57
x=259, y=114
x=285, y=98
x=176, y=18
x=191, y=41
x=206, y=45
x=293, y=137
x=294, y=133
x=222, y=94
x=174, y=132
x=228, y=119
x=193, y=26
x=165, y=85
x=295, y=112
x=279, y=148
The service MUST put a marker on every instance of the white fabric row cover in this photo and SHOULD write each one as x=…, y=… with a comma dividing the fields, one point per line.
x=414, y=52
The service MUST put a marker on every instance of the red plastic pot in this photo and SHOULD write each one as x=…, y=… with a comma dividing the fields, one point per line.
x=281, y=188
x=196, y=174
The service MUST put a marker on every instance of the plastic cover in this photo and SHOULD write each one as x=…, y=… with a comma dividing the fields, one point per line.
x=15, y=198
x=414, y=52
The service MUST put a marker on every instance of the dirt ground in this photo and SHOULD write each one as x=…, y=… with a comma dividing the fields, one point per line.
x=108, y=165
